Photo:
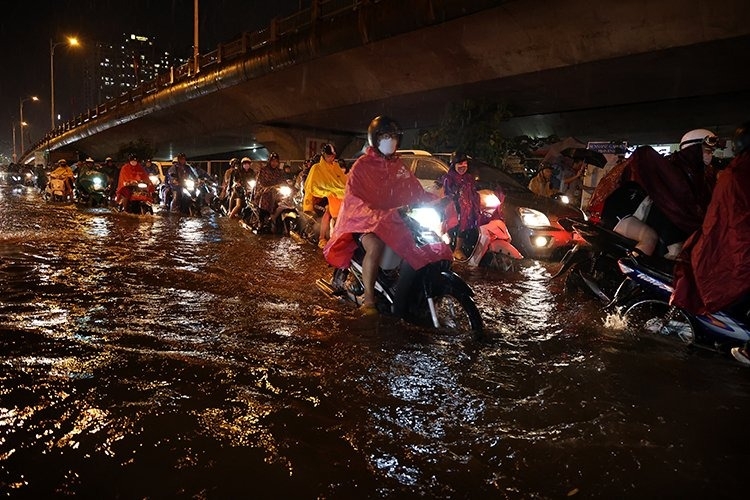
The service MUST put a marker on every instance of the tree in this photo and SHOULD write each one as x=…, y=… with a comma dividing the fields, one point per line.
x=142, y=148
x=474, y=127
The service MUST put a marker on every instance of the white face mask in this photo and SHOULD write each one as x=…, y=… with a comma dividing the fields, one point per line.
x=387, y=146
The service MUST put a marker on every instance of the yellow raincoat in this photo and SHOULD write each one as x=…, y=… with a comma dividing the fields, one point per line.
x=325, y=180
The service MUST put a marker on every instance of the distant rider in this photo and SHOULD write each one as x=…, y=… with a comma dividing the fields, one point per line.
x=269, y=175
x=131, y=174
x=64, y=173
x=541, y=184
x=239, y=181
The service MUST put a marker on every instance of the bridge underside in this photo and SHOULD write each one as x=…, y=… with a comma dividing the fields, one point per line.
x=626, y=79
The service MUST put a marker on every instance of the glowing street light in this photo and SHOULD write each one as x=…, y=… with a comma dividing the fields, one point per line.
x=73, y=42
x=20, y=110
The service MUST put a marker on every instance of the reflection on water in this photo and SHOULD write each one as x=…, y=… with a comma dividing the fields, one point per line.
x=172, y=356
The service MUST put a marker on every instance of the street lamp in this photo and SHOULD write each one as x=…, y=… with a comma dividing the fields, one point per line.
x=20, y=111
x=73, y=42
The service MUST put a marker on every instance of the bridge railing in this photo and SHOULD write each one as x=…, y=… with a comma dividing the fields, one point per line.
x=249, y=42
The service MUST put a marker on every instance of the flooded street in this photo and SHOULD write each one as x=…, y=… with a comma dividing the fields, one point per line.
x=171, y=356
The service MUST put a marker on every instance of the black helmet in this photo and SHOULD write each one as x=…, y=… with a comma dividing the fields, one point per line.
x=132, y=156
x=328, y=149
x=273, y=156
x=458, y=157
x=181, y=155
x=741, y=139
x=382, y=125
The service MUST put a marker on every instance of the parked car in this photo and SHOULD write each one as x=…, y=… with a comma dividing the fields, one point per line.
x=532, y=220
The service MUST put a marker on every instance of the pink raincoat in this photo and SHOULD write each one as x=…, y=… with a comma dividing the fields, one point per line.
x=376, y=188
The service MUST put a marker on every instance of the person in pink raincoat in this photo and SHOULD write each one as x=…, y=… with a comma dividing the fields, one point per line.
x=378, y=184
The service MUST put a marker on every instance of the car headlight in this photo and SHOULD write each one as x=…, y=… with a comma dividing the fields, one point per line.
x=533, y=218
x=285, y=191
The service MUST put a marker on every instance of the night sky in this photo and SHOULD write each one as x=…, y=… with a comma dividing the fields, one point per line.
x=27, y=26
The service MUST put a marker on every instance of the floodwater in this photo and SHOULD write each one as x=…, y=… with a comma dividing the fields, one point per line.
x=169, y=356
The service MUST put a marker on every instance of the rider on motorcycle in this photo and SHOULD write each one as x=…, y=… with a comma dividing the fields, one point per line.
x=270, y=175
x=459, y=187
x=64, y=173
x=378, y=184
x=325, y=179
x=239, y=183
x=226, y=185
x=131, y=173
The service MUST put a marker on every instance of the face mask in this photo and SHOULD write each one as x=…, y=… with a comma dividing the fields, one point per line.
x=387, y=146
x=133, y=162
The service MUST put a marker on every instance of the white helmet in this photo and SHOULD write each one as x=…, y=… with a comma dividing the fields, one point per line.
x=245, y=159
x=698, y=136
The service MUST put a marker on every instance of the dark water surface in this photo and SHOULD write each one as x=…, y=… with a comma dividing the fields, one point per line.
x=169, y=356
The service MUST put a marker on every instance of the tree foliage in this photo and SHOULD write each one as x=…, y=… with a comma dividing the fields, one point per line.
x=142, y=148
x=474, y=127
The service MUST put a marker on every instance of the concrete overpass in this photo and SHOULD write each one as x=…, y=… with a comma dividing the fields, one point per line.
x=639, y=70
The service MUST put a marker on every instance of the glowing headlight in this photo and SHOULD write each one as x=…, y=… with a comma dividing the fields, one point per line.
x=154, y=179
x=533, y=218
x=251, y=183
x=189, y=184
x=97, y=182
x=491, y=201
x=541, y=241
x=564, y=199
x=285, y=191
x=427, y=217
x=142, y=185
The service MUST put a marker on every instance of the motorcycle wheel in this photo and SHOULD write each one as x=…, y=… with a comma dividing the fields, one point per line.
x=657, y=317
x=456, y=313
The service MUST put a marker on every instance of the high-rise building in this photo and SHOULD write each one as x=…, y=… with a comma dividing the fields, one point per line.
x=117, y=68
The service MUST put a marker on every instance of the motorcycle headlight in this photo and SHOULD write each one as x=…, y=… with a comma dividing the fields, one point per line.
x=427, y=217
x=251, y=184
x=491, y=201
x=97, y=181
x=533, y=218
x=189, y=184
x=154, y=179
x=564, y=199
x=142, y=185
x=285, y=191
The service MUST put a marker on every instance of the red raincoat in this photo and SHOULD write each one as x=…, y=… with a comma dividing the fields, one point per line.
x=375, y=189
x=713, y=271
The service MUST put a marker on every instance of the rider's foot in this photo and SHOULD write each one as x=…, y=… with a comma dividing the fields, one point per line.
x=741, y=355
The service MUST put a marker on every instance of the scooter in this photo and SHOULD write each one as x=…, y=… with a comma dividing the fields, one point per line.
x=141, y=200
x=491, y=244
x=643, y=301
x=284, y=219
x=437, y=296
x=591, y=265
x=58, y=190
x=93, y=188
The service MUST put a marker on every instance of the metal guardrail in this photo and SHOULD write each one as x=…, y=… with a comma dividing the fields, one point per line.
x=248, y=43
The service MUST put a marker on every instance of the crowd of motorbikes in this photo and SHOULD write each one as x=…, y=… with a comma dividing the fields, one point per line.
x=603, y=264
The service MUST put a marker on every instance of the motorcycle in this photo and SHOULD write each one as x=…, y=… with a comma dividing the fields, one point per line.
x=643, y=301
x=438, y=297
x=591, y=265
x=490, y=245
x=57, y=190
x=193, y=196
x=92, y=188
x=283, y=220
x=141, y=199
